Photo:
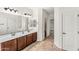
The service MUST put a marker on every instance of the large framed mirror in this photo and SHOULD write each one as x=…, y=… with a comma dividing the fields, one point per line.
x=3, y=23
x=10, y=23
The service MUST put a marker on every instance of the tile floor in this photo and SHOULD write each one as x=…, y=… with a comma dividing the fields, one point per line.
x=45, y=45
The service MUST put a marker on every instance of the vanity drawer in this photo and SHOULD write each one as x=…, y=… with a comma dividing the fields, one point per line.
x=29, y=39
x=21, y=43
x=10, y=45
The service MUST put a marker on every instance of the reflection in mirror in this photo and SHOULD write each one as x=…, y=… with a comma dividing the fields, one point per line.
x=3, y=23
x=14, y=23
x=30, y=24
x=34, y=23
x=19, y=23
x=9, y=23
x=24, y=24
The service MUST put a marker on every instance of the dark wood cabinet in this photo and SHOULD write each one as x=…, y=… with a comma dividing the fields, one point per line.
x=29, y=39
x=9, y=45
x=34, y=36
x=21, y=43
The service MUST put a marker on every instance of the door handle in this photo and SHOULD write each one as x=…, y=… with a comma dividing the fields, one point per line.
x=63, y=33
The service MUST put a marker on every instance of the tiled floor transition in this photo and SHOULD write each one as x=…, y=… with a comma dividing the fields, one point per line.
x=45, y=45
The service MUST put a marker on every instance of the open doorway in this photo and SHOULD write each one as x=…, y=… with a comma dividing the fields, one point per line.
x=45, y=33
x=48, y=18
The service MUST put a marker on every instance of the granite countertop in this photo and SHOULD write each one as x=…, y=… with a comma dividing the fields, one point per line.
x=7, y=37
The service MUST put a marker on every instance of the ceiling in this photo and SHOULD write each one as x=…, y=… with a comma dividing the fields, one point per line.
x=50, y=10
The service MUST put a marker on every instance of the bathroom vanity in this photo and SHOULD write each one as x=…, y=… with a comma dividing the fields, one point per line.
x=17, y=30
x=19, y=43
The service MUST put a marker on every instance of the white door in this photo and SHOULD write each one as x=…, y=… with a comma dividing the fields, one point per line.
x=68, y=29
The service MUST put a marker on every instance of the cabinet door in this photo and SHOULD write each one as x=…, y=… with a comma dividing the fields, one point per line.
x=21, y=42
x=9, y=45
x=68, y=29
x=34, y=36
x=29, y=39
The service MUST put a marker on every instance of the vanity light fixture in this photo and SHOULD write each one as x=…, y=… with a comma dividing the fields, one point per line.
x=27, y=14
x=11, y=10
x=15, y=11
x=6, y=8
